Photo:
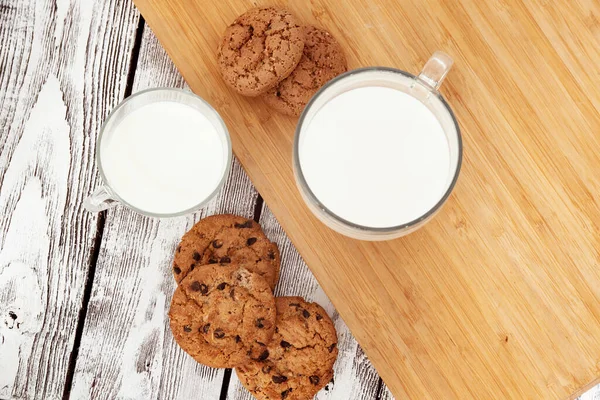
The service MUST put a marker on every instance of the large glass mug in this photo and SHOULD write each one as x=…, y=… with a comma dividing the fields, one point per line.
x=424, y=88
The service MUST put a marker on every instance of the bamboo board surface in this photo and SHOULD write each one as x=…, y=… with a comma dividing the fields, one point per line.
x=498, y=297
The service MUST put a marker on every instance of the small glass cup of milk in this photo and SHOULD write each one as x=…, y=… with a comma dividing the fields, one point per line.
x=162, y=152
x=378, y=150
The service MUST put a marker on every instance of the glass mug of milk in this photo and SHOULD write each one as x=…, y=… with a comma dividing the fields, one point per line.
x=162, y=152
x=377, y=150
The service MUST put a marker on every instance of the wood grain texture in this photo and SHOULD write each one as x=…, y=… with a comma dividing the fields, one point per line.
x=499, y=296
x=354, y=376
x=127, y=349
x=53, y=93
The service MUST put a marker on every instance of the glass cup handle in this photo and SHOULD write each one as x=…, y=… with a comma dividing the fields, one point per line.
x=100, y=200
x=435, y=70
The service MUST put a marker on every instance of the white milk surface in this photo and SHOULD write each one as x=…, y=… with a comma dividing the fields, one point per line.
x=376, y=157
x=163, y=158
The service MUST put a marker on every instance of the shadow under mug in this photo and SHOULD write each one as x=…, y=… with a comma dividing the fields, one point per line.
x=105, y=196
x=424, y=88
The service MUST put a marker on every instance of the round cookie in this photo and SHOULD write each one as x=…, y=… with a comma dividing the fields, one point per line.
x=222, y=315
x=227, y=239
x=301, y=354
x=260, y=49
x=322, y=60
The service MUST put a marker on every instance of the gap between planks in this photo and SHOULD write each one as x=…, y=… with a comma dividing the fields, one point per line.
x=100, y=228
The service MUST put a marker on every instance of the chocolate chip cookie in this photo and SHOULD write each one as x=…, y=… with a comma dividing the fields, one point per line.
x=322, y=60
x=227, y=239
x=260, y=49
x=300, y=355
x=223, y=315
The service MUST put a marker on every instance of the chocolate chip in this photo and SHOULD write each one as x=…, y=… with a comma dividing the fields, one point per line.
x=219, y=334
x=192, y=266
x=259, y=323
x=305, y=314
x=177, y=270
x=232, y=294
x=203, y=289
x=260, y=344
x=225, y=260
x=278, y=93
x=187, y=328
x=331, y=347
x=195, y=286
x=213, y=260
x=294, y=305
x=271, y=254
x=285, y=393
x=221, y=286
x=266, y=369
x=237, y=338
x=206, y=328
x=247, y=224
x=319, y=317
x=217, y=244
x=179, y=249
x=263, y=356
x=314, y=380
x=196, y=256
x=285, y=344
x=279, y=378
x=251, y=241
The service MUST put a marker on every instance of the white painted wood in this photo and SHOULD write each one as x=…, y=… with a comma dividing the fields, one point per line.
x=63, y=65
x=354, y=376
x=127, y=350
x=592, y=394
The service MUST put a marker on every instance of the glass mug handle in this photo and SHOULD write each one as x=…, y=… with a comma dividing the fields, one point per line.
x=435, y=70
x=101, y=199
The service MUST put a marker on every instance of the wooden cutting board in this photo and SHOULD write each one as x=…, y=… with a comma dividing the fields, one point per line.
x=499, y=296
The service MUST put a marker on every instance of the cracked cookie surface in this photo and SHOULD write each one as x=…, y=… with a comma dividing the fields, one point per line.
x=259, y=49
x=301, y=354
x=223, y=315
x=227, y=239
x=322, y=60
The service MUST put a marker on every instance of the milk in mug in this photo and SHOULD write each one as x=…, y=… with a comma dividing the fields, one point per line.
x=376, y=157
x=165, y=157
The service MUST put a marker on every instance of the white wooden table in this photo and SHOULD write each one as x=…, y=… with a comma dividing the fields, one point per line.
x=84, y=297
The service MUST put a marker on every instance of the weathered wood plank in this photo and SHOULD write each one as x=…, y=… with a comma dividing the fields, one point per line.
x=355, y=378
x=63, y=66
x=127, y=350
x=592, y=394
